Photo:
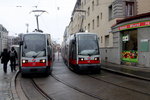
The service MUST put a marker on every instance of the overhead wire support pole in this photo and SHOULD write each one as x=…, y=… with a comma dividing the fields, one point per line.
x=37, y=14
x=82, y=18
x=37, y=21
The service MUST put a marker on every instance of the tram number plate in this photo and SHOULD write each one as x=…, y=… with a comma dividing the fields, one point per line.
x=33, y=64
x=89, y=61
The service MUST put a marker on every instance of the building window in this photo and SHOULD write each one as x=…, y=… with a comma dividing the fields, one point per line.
x=89, y=27
x=101, y=39
x=110, y=12
x=79, y=27
x=93, y=24
x=107, y=40
x=101, y=15
x=88, y=11
x=129, y=8
x=97, y=2
x=97, y=21
x=84, y=2
x=82, y=5
x=92, y=5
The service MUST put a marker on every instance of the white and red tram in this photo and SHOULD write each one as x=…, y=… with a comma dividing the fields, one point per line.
x=81, y=52
x=36, y=53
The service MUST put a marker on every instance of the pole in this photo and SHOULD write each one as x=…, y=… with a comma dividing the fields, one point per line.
x=37, y=14
x=37, y=21
x=82, y=19
x=27, y=27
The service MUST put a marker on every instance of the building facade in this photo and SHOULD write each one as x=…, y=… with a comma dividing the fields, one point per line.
x=3, y=38
x=133, y=40
x=99, y=16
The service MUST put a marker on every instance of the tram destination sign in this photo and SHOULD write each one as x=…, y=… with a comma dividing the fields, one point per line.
x=134, y=25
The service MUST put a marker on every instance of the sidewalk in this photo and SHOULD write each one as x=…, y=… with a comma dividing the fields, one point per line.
x=134, y=71
x=5, y=83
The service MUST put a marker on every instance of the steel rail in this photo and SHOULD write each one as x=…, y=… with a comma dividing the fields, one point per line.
x=134, y=90
x=77, y=89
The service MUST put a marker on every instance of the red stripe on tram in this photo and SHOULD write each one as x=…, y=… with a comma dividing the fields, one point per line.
x=33, y=64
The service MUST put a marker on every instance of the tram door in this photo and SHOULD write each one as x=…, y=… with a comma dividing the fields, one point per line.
x=72, y=53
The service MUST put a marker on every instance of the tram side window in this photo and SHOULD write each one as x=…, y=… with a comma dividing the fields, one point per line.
x=47, y=42
x=72, y=50
x=49, y=50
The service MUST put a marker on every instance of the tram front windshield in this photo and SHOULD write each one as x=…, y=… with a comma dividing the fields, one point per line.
x=88, y=44
x=34, y=45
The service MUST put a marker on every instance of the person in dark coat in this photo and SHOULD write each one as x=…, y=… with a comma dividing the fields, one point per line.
x=13, y=58
x=4, y=59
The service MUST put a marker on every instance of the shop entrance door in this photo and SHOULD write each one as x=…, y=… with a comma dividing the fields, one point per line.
x=129, y=46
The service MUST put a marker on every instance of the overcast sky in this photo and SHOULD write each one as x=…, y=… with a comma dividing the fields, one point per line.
x=15, y=14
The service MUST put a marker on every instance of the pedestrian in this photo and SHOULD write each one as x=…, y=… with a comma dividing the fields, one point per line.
x=4, y=59
x=13, y=58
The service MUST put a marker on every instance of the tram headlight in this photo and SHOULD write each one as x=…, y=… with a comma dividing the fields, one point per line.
x=96, y=58
x=24, y=61
x=42, y=61
x=81, y=59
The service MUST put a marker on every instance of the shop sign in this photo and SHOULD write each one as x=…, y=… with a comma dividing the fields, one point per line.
x=125, y=38
x=134, y=25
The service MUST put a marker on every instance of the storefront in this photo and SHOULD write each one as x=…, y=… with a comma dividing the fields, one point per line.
x=133, y=40
x=129, y=46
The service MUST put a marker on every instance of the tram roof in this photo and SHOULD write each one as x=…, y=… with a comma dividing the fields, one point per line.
x=35, y=33
x=84, y=33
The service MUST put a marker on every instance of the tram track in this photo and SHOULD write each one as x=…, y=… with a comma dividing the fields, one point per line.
x=35, y=84
x=77, y=89
x=47, y=97
x=30, y=82
x=27, y=86
x=101, y=80
x=121, y=86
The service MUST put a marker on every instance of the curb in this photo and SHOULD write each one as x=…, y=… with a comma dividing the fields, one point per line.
x=125, y=71
x=13, y=87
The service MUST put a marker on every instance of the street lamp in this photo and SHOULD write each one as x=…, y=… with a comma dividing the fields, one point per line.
x=37, y=14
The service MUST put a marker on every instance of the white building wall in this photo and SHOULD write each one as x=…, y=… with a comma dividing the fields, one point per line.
x=100, y=9
x=143, y=6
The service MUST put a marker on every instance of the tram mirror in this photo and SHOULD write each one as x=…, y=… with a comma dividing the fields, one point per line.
x=73, y=42
x=21, y=43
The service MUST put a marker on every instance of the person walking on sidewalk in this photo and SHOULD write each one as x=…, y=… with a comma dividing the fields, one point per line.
x=4, y=59
x=13, y=57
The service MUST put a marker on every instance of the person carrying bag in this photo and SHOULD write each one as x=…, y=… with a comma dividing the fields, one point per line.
x=13, y=57
x=4, y=59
